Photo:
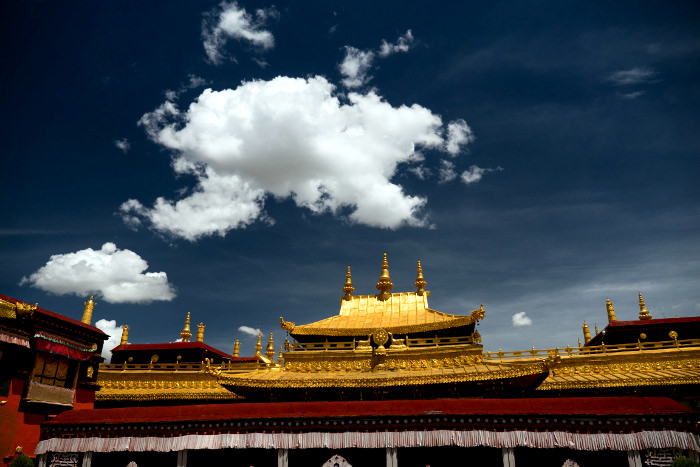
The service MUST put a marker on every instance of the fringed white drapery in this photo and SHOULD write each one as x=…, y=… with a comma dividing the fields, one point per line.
x=389, y=439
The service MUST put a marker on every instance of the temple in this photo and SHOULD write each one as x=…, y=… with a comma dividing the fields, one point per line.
x=390, y=381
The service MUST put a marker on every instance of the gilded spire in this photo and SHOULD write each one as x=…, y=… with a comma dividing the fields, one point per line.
x=200, y=332
x=420, y=281
x=270, y=351
x=236, y=348
x=611, y=311
x=186, y=333
x=258, y=346
x=280, y=358
x=348, y=289
x=384, y=285
x=586, y=333
x=125, y=335
x=643, y=313
x=87, y=313
x=596, y=329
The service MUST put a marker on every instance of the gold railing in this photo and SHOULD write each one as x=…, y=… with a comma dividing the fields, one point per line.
x=410, y=343
x=592, y=350
x=228, y=366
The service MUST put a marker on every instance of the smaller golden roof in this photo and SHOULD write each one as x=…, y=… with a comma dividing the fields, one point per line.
x=400, y=313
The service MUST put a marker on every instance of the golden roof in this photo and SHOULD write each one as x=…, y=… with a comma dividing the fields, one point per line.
x=432, y=372
x=401, y=313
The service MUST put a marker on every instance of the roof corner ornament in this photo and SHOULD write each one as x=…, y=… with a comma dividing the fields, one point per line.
x=611, y=311
x=348, y=288
x=478, y=314
x=384, y=285
x=236, y=348
x=200, y=332
x=643, y=312
x=586, y=334
x=186, y=333
x=125, y=335
x=420, y=281
x=87, y=313
x=287, y=325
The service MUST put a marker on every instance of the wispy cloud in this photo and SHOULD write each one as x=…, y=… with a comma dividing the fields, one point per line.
x=357, y=63
x=115, y=275
x=250, y=331
x=475, y=173
x=633, y=76
x=231, y=21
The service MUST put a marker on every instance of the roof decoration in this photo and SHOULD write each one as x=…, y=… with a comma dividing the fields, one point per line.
x=125, y=335
x=384, y=285
x=200, y=332
x=186, y=333
x=258, y=346
x=11, y=310
x=420, y=281
x=586, y=333
x=87, y=313
x=643, y=313
x=348, y=288
x=270, y=351
x=611, y=311
x=236, y=348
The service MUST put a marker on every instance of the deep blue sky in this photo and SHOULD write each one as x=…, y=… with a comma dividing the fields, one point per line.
x=591, y=110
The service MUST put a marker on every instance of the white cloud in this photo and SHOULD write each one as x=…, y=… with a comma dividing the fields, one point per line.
x=403, y=43
x=355, y=67
x=123, y=145
x=520, y=319
x=632, y=76
x=232, y=21
x=249, y=330
x=632, y=95
x=475, y=173
x=458, y=135
x=113, y=274
x=114, y=332
x=328, y=155
x=446, y=172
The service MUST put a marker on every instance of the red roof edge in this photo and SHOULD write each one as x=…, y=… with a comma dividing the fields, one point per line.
x=178, y=345
x=57, y=316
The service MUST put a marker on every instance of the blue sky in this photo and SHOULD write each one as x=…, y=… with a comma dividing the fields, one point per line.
x=231, y=159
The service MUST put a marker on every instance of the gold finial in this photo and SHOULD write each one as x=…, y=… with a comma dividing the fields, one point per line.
x=643, y=313
x=236, y=348
x=420, y=281
x=200, y=332
x=186, y=333
x=270, y=351
x=348, y=289
x=280, y=359
x=258, y=346
x=125, y=335
x=586, y=333
x=87, y=314
x=579, y=342
x=384, y=285
x=611, y=311
x=596, y=329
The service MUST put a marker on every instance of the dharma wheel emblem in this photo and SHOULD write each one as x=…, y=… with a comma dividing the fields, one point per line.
x=380, y=337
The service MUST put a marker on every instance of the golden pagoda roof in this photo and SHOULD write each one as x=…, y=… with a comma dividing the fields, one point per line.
x=400, y=313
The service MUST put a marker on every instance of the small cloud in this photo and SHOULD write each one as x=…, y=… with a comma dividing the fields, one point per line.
x=633, y=76
x=402, y=44
x=458, y=134
x=114, y=332
x=421, y=172
x=261, y=63
x=355, y=67
x=632, y=95
x=333, y=29
x=193, y=82
x=230, y=21
x=446, y=172
x=520, y=319
x=250, y=331
x=115, y=275
x=474, y=174
x=123, y=145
